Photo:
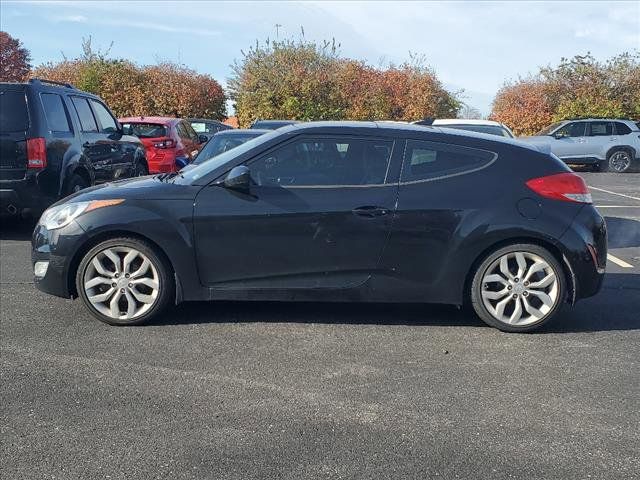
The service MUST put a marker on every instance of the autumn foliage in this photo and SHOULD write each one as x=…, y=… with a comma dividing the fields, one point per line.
x=131, y=90
x=14, y=59
x=578, y=87
x=309, y=81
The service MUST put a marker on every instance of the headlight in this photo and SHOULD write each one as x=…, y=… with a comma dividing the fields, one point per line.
x=62, y=215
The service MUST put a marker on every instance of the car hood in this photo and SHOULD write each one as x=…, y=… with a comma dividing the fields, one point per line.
x=157, y=187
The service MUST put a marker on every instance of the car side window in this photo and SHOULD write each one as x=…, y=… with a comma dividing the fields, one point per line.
x=600, y=129
x=621, y=128
x=574, y=129
x=55, y=112
x=424, y=160
x=107, y=122
x=191, y=133
x=87, y=122
x=325, y=161
x=182, y=133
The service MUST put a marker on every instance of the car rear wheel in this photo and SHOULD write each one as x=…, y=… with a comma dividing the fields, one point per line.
x=123, y=281
x=518, y=288
x=141, y=170
x=619, y=161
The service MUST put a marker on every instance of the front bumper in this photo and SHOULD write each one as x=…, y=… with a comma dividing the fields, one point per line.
x=585, y=250
x=59, y=248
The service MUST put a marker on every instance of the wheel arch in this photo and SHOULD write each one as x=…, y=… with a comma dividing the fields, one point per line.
x=628, y=148
x=101, y=237
x=548, y=245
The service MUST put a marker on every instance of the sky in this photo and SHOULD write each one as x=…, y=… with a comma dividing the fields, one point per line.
x=472, y=46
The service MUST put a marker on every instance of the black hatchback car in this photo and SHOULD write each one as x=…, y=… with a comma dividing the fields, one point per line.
x=56, y=140
x=333, y=211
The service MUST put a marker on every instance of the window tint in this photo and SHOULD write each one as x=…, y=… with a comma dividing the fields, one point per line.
x=87, y=122
x=191, y=133
x=220, y=144
x=575, y=129
x=325, y=161
x=145, y=130
x=621, y=128
x=55, y=112
x=13, y=111
x=429, y=160
x=600, y=129
x=182, y=133
x=107, y=122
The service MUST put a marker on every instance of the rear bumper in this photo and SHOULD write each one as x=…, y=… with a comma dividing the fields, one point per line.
x=164, y=163
x=22, y=194
x=585, y=249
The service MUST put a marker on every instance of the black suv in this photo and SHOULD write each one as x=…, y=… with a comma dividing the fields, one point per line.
x=56, y=140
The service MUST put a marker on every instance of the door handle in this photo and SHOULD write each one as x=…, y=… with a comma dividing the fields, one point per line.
x=370, y=211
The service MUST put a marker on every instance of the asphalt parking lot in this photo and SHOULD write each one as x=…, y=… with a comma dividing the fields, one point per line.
x=239, y=391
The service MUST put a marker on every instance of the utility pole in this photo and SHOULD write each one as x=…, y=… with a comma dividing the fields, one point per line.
x=278, y=30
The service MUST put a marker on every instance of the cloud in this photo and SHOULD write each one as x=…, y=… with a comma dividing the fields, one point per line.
x=70, y=18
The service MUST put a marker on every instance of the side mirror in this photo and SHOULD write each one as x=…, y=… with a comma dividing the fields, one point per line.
x=558, y=135
x=203, y=138
x=239, y=179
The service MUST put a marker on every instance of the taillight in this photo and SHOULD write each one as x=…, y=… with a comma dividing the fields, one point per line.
x=36, y=153
x=166, y=143
x=568, y=187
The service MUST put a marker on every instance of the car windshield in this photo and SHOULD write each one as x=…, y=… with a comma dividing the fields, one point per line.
x=145, y=130
x=13, y=111
x=490, y=129
x=204, y=168
x=221, y=143
x=548, y=130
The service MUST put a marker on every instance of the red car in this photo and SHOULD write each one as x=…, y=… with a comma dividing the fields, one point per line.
x=170, y=143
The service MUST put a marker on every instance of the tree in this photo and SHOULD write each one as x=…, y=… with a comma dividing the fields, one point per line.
x=577, y=87
x=310, y=81
x=470, y=113
x=14, y=59
x=130, y=90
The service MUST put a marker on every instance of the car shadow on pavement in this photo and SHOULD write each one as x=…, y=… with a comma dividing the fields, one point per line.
x=320, y=313
x=15, y=228
x=623, y=232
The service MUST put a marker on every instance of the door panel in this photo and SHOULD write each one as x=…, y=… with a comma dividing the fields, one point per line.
x=311, y=219
x=574, y=144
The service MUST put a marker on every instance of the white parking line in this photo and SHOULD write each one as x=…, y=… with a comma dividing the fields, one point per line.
x=619, y=262
x=614, y=193
x=618, y=206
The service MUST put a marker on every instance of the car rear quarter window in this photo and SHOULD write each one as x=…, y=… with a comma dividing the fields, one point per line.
x=87, y=122
x=55, y=112
x=13, y=111
x=424, y=160
x=621, y=128
x=107, y=122
x=326, y=162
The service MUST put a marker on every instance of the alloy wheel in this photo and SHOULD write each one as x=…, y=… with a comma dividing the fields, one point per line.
x=121, y=283
x=520, y=288
x=620, y=161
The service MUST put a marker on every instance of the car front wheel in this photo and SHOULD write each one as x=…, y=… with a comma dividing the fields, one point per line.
x=518, y=288
x=123, y=281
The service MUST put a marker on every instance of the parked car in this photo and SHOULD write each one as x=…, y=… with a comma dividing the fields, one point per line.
x=224, y=141
x=480, y=126
x=335, y=211
x=170, y=142
x=272, y=124
x=609, y=144
x=56, y=140
x=207, y=127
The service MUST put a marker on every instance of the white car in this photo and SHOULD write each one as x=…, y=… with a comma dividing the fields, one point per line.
x=608, y=144
x=481, y=126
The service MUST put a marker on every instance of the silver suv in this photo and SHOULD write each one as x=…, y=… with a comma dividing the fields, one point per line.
x=608, y=144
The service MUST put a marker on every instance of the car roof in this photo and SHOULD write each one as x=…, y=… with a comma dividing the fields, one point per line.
x=273, y=120
x=205, y=120
x=143, y=119
x=244, y=131
x=45, y=86
x=464, y=121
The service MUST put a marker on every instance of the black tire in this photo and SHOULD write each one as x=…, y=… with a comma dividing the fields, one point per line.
x=611, y=165
x=477, y=285
x=76, y=183
x=166, y=288
x=141, y=169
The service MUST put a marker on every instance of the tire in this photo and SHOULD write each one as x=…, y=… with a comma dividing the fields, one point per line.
x=76, y=183
x=619, y=161
x=539, y=303
x=145, y=290
x=141, y=169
